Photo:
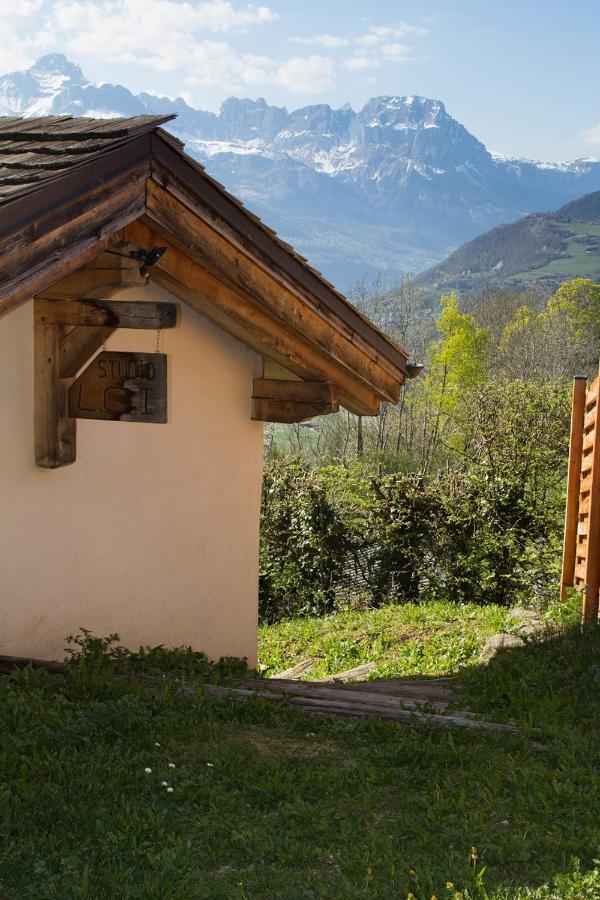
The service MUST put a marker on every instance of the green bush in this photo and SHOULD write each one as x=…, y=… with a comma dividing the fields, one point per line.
x=302, y=542
x=486, y=531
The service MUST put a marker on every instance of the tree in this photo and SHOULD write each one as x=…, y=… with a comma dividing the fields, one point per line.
x=457, y=368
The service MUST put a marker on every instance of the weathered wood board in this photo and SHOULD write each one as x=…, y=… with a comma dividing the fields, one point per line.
x=123, y=387
x=581, y=547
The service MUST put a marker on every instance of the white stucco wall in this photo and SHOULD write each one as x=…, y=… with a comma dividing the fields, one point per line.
x=153, y=531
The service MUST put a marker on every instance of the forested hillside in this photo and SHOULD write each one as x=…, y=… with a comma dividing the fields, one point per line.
x=546, y=248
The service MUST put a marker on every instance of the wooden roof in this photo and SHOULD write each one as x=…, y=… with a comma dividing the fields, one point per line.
x=71, y=187
x=35, y=150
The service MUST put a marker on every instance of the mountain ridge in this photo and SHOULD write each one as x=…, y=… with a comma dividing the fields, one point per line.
x=392, y=187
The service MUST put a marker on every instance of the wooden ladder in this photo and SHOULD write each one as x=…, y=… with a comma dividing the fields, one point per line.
x=581, y=549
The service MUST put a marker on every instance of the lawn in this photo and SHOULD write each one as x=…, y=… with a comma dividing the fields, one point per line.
x=413, y=639
x=268, y=803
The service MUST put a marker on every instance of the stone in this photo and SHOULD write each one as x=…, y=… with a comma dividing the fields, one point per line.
x=499, y=642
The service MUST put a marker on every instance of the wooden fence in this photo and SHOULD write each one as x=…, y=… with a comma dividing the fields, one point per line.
x=581, y=549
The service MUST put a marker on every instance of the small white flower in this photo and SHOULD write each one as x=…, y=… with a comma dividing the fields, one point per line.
x=210, y=765
x=504, y=822
x=169, y=790
x=156, y=744
x=171, y=765
x=310, y=734
x=164, y=784
x=148, y=770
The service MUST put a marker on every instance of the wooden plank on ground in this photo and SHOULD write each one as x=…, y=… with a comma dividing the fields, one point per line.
x=10, y=663
x=300, y=669
x=350, y=708
x=351, y=674
x=344, y=694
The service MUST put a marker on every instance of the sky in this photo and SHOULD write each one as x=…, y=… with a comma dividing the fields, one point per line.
x=523, y=77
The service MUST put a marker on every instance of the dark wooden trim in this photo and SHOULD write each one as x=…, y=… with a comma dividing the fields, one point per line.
x=275, y=400
x=78, y=346
x=300, y=391
x=55, y=431
x=115, y=313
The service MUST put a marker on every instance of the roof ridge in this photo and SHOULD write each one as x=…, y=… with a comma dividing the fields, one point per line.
x=76, y=127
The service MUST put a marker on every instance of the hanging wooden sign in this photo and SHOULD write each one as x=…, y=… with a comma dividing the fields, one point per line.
x=123, y=387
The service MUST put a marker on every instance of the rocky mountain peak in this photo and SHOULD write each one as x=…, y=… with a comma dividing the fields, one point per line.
x=54, y=69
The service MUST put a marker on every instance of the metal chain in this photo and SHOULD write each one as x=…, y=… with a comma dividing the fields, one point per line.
x=157, y=350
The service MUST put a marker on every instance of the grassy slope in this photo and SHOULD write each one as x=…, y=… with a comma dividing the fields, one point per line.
x=432, y=638
x=297, y=807
x=577, y=260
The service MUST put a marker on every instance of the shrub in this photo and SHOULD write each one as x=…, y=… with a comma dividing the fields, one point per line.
x=486, y=531
x=302, y=542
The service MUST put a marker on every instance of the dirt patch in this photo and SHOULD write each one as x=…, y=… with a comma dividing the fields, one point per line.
x=276, y=745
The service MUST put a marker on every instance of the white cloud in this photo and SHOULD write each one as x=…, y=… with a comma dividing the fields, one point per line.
x=330, y=41
x=167, y=32
x=591, y=136
x=191, y=41
x=368, y=40
x=395, y=51
x=306, y=75
x=215, y=63
x=399, y=30
x=140, y=17
x=13, y=17
x=380, y=34
x=361, y=63
x=166, y=35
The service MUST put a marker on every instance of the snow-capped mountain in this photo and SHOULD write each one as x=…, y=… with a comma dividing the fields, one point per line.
x=392, y=187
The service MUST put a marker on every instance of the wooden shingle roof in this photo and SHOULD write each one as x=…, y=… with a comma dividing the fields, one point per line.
x=72, y=187
x=35, y=150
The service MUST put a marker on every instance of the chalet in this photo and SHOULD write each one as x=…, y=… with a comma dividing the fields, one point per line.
x=149, y=325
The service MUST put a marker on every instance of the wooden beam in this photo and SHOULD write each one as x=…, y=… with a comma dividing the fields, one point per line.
x=79, y=345
x=55, y=436
x=591, y=587
x=574, y=476
x=315, y=323
x=86, y=281
x=293, y=401
x=114, y=313
x=235, y=314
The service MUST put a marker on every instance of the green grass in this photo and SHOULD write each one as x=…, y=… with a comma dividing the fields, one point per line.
x=577, y=262
x=299, y=807
x=431, y=638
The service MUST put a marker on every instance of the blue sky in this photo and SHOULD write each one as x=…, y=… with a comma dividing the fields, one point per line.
x=522, y=76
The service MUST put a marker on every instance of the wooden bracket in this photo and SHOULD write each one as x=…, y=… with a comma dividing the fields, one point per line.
x=275, y=400
x=67, y=333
